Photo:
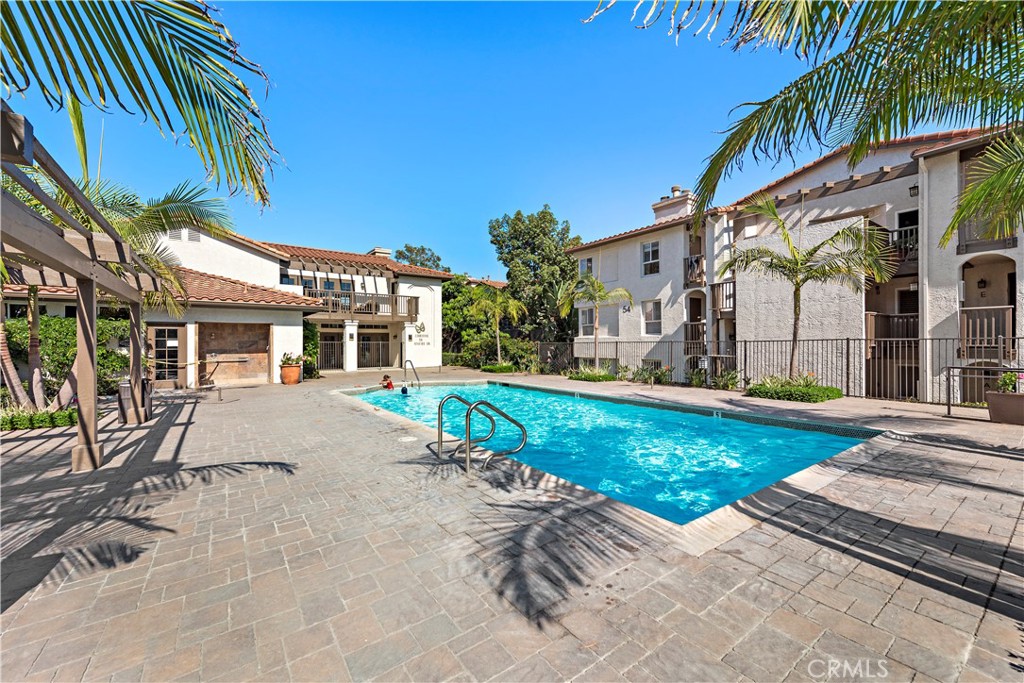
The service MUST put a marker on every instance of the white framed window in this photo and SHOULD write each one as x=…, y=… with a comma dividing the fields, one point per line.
x=907, y=301
x=651, y=258
x=193, y=235
x=652, y=316
x=587, y=265
x=586, y=322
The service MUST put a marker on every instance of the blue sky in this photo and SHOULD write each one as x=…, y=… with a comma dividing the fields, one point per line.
x=420, y=122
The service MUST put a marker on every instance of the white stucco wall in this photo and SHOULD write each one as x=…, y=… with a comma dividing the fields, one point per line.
x=285, y=337
x=425, y=349
x=227, y=258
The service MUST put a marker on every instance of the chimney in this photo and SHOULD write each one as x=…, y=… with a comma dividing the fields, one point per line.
x=678, y=204
x=380, y=251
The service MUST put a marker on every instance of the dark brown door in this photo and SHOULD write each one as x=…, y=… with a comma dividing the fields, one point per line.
x=167, y=356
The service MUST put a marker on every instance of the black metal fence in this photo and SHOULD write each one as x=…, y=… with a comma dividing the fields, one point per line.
x=896, y=369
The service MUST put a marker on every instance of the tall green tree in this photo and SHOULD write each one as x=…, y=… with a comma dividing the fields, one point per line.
x=496, y=303
x=172, y=62
x=849, y=257
x=877, y=71
x=421, y=256
x=590, y=290
x=532, y=248
x=459, y=319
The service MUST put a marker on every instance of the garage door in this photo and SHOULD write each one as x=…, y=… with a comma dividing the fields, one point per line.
x=232, y=353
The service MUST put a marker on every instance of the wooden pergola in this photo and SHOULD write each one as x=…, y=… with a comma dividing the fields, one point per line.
x=63, y=252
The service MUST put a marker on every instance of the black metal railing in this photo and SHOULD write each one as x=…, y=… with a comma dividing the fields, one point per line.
x=331, y=355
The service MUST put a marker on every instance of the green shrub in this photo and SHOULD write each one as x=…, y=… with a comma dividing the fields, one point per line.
x=501, y=369
x=806, y=394
x=310, y=349
x=645, y=374
x=57, y=349
x=21, y=421
x=587, y=373
x=451, y=359
x=727, y=380
x=65, y=418
x=42, y=419
x=698, y=377
x=1008, y=382
x=483, y=350
x=5, y=423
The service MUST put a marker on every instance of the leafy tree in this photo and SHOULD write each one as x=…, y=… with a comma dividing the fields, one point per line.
x=848, y=257
x=496, y=303
x=460, y=321
x=590, y=290
x=421, y=256
x=532, y=248
x=152, y=58
x=877, y=71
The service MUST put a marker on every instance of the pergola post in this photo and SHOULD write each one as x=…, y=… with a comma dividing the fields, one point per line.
x=137, y=408
x=88, y=453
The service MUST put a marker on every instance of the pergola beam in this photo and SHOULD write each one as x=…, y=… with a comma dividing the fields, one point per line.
x=27, y=232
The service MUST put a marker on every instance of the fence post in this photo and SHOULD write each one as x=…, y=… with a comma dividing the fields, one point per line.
x=847, y=366
x=949, y=391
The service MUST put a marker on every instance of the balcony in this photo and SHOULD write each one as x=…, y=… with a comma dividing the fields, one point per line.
x=693, y=339
x=359, y=306
x=986, y=333
x=723, y=299
x=891, y=335
x=695, y=276
x=970, y=240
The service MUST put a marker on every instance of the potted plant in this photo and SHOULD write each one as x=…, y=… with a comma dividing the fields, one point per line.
x=1007, y=404
x=291, y=368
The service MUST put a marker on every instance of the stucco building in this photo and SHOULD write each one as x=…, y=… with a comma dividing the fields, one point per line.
x=953, y=307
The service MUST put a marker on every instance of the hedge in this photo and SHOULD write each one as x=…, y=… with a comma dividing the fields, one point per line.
x=449, y=359
x=591, y=376
x=503, y=368
x=816, y=394
x=40, y=420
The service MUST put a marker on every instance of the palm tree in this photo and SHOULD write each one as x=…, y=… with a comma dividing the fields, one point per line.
x=848, y=257
x=590, y=290
x=496, y=303
x=153, y=58
x=878, y=71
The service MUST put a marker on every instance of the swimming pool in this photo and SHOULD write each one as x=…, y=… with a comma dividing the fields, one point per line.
x=676, y=465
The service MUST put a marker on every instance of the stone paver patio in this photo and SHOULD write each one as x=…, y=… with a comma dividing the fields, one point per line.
x=291, y=533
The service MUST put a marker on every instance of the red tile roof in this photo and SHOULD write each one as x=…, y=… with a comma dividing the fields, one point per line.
x=382, y=262
x=208, y=288
x=497, y=284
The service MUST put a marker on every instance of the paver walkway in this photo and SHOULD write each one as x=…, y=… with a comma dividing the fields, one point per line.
x=289, y=533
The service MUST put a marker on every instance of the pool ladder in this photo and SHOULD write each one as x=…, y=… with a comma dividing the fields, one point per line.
x=481, y=407
x=405, y=372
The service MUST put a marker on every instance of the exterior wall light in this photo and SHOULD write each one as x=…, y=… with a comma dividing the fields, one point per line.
x=982, y=283
x=914, y=189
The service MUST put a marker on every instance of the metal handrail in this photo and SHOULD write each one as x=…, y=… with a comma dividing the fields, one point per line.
x=440, y=424
x=477, y=407
x=405, y=372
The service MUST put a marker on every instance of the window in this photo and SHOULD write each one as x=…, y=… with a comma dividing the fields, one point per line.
x=652, y=258
x=586, y=322
x=652, y=317
x=327, y=284
x=70, y=311
x=287, y=279
x=174, y=234
x=586, y=265
x=906, y=219
x=193, y=235
x=906, y=301
x=308, y=283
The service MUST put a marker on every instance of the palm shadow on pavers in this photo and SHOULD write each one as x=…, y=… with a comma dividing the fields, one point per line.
x=538, y=539
x=58, y=524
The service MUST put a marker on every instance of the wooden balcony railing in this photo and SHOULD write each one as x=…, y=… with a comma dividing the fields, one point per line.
x=723, y=299
x=695, y=276
x=904, y=243
x=986, y=332
x=693, y=338
x=971, y=239
x=357, y=305
x=890, y=325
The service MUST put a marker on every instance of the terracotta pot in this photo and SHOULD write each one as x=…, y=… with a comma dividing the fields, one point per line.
x=1005, y=408
x=291, y=374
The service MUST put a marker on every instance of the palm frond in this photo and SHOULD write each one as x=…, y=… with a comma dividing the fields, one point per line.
x=153, y=56
x=994, y=194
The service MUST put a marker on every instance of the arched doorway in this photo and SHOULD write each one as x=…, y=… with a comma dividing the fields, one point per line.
x=988, y=307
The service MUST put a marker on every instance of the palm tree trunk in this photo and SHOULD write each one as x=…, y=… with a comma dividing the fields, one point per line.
x=796, y=332
x=497, y=336
x=35, y=363
x=597, y=355
x=67, y=391
x=8, y=371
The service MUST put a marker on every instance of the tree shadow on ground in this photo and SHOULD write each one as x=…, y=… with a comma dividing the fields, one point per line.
x=57, y=523
x=538, y=550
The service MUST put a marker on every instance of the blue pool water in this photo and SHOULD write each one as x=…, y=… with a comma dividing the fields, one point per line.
x=673, y=464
